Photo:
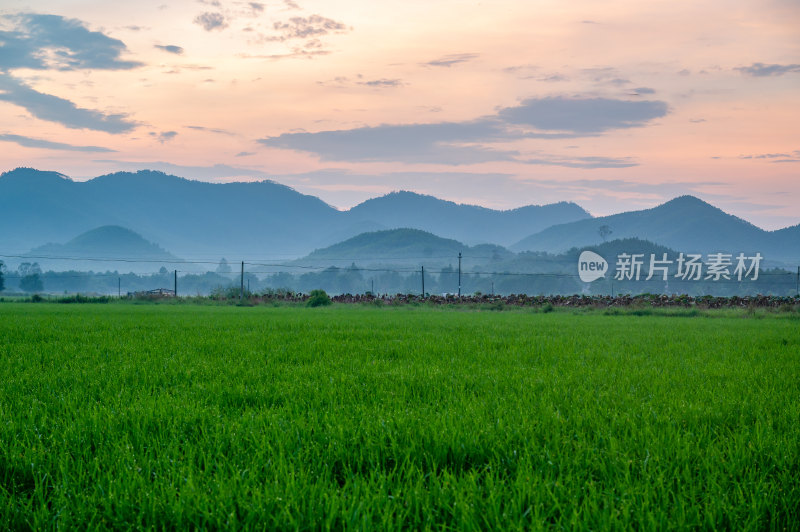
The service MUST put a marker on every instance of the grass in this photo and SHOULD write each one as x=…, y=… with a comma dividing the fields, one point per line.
x=178, y=416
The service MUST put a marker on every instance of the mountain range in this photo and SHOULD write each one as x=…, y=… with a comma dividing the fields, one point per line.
x=470, y=224
x=194, y=219
x=261, y=219
x=685, y=223
x=413, y=248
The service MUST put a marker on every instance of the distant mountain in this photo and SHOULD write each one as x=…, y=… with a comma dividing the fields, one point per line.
x=192, y=218
x=196, y=219
x=403, y=246
x=468, y=223
x=566, y=261
x=199, y=220
x=790, y=235
x=107, y=242
x=685, y=223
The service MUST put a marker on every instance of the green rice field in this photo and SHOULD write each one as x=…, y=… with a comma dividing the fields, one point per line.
x=118, y=416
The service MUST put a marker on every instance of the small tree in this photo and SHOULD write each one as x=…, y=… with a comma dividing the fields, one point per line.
x=318, y=298
x=30, y=277
x=224, y=267
x=604, y=231
x=31, y=283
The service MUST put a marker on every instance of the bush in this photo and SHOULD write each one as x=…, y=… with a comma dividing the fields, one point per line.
x=498, y=305
x=318, y=298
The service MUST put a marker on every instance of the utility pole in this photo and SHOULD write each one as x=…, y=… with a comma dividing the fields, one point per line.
x=459, y=274
x=422, y=271
x=119, y=288
x=492, y=288
x=797, y=286
x=241, y=287
x=372, y=287
x=176, y=284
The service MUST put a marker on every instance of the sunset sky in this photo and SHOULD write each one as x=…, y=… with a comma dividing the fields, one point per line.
x=616, y=105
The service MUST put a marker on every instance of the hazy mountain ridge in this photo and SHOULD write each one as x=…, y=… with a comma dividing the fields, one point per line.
x=111, y=242
x=403, y=246
x=685, y=223
x=413, y=246
x=108, y=241
x=470, y=224
x=258, y=219
x=265, y=219
x=188, y=217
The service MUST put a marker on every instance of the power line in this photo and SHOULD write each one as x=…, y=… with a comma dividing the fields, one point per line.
x=111, y=259
x=330, y=268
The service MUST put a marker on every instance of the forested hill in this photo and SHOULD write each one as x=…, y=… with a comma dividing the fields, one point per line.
x=258, y=219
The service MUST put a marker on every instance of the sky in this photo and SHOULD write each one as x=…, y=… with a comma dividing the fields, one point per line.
x=615, y=105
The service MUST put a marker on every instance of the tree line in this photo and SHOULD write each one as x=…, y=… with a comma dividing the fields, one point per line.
x=30, y=278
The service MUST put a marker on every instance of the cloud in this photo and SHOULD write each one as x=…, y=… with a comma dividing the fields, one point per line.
x=344, y=82
x=605, y=75
x=257, y=7
x=450, y=60
x=554, y=78
x=526, y=70
x=291, y=4
x=53, y=42
x=338, y=81
x=383, y=82
x=534, y=72
x=305, y=27
x=428, y=143
x=55, y=109
x=29, y=142
x=170, y=48
x=761, y=70
x=211, y=21
x=584, y=162
x=779, y=157
x=164, y=136
x=210, y=130
x=294, y=54
x=468, y=142
x=197, y=67
x=644, y=90
x=583, y=115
